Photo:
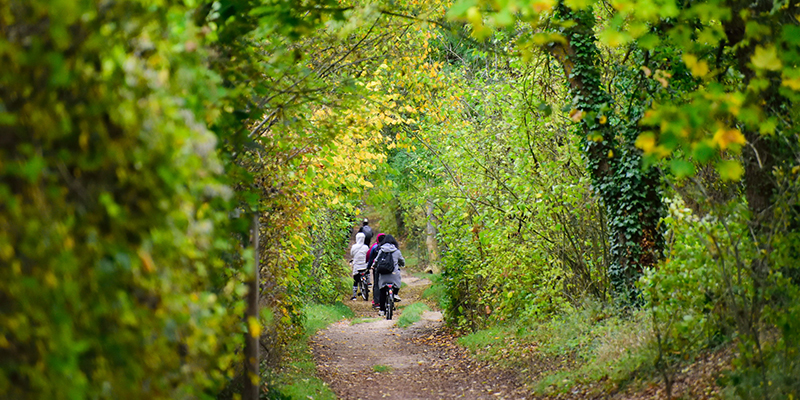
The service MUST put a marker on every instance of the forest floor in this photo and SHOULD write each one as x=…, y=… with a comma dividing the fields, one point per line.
x=372, y=358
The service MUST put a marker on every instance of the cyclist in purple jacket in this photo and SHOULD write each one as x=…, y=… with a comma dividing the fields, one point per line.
x=373, y=251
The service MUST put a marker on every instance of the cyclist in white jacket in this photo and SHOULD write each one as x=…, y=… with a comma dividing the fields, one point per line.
x=358, y=258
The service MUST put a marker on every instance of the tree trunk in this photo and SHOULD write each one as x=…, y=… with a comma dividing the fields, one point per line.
x=631, y=196
x=430, y=239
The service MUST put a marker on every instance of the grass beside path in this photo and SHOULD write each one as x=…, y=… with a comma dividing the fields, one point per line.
x=575, y=352
x=296, y=379
x=411, y=313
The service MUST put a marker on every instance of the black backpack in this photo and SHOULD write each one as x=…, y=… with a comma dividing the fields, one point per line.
x=384, y=264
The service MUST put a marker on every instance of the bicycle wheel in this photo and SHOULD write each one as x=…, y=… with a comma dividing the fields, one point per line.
x=389, y=305
x=364, y=289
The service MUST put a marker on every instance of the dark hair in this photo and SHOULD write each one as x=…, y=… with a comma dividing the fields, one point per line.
x=380, y=237
x=390, y=239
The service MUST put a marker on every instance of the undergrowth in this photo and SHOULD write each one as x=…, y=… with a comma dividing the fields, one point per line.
x=412, y=261
x=584, y=346
x=435, y=292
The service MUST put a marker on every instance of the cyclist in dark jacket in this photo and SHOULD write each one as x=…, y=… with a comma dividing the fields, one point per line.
x=367, y=231
x=390, y=246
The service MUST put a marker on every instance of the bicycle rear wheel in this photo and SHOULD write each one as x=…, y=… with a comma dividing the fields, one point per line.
x=364, y=289
x=389, y=305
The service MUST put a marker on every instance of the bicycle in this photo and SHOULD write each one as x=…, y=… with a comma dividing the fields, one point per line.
x=363, y=284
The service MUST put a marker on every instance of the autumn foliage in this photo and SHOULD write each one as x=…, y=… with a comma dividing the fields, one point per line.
x=540, y=154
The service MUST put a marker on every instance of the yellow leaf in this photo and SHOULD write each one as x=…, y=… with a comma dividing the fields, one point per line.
x=603, y=120
x=50, y=279
x=766, y=58
x=724, y=137
x=543, y=5
x=791, y=83
x=698, y=68
x=661, y=151
x=735, y=101
x=474, y=15
x=614, y=38
x=578, y=4
x=576, y=115
x=623, y=6
x=253, y=327
x=646, y=141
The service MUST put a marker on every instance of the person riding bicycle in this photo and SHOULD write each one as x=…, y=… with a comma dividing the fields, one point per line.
x=373, y=251
x=367, y=232
x=390, y=246
x=358, y=255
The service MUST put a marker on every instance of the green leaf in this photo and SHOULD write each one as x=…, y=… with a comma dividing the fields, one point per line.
x=459, y=9
x=768, y=127
x=703, y=151
x=681, y=168
x=649, y=41
x=578, y=4
x=504, y=18
x=310, y=174
x=730, y=170
x=32, y=169
x=766, y=58
x=614, y=38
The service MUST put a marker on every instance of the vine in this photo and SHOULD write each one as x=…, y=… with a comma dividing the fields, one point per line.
x=630, y=194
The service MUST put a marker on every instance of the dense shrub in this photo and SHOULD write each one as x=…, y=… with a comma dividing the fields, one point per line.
x=113, y=218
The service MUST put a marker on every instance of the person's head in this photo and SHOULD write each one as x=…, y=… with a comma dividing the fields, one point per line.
x=366, y=222
x=390, y=239
x=379, y=238
x=360, y=237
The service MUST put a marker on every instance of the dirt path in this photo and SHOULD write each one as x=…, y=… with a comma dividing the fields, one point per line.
x=418, y=362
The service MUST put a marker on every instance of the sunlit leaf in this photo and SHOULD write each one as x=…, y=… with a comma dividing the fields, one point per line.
x=730, y=170
x=766, y=58
x=699, y=68
x=724, y=137
x=646, y=141
x=578, y=4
